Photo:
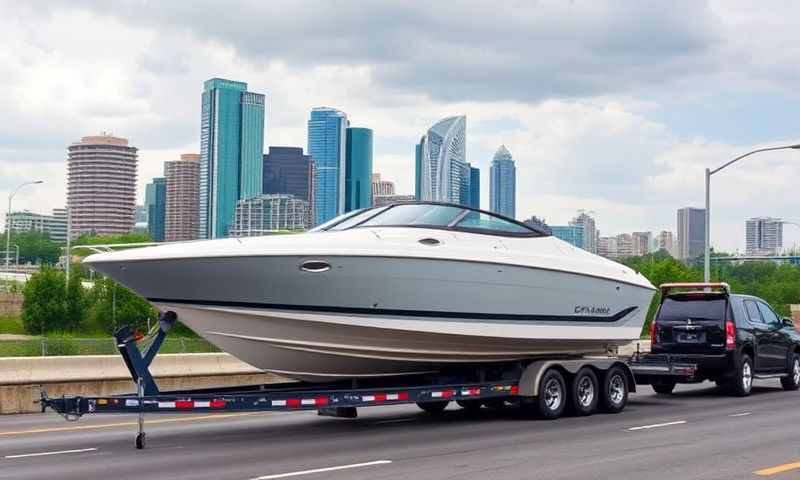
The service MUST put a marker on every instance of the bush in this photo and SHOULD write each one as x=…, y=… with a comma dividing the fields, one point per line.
x=44, y=301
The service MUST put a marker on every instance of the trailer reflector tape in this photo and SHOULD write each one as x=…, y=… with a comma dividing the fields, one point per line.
x=515, y=390
x=278, y=403
x=217, y=404
x=293, y=402
x=131, y=403
x=471, y=391
x=184, y=404
x=201, y=404
x=444, y=394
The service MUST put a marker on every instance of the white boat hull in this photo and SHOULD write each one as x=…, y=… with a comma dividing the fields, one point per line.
x=373, y=315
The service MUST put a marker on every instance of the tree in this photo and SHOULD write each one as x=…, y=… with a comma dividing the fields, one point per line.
x=43, y=304
x=34, y=247
x=113, y=305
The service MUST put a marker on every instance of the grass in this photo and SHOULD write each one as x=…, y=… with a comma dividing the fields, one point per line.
x=67, y=345
x=11, y=324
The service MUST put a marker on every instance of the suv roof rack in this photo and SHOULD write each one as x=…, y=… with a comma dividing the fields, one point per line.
x=695, y=287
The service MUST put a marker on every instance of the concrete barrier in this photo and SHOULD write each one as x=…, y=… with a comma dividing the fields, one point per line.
x=21, y=378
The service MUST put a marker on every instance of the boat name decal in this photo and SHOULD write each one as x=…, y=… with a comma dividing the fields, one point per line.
x=587, y=310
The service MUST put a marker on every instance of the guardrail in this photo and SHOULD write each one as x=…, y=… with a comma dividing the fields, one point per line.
x=47, y=347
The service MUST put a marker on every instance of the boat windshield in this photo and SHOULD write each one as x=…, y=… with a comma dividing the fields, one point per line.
x=433, y=215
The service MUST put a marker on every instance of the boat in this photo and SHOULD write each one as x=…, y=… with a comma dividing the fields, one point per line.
x=393, y=290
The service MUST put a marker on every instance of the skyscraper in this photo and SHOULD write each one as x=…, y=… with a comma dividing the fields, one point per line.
x=231, y=149
x=503, y=183
x=691, y=232
x=183, y=190
x=764, y=236
x=288, y=171
x=474, y=187
x=156, y=203
x=358, y=169
x=572, y=234
x=380, y=187
x=666, y=241
x=641, y=243
x=589, y=230
x=101, y=185
x=441, y=164
x=327, y=143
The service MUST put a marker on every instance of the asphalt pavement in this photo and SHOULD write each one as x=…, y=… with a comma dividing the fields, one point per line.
x=697, y=433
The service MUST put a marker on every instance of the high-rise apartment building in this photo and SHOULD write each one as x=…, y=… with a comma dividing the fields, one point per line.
x=764, y=236
x=625, y=245
x=641, y=243
x=503, y=183
x=287, y=170
x=101, y=185
x=327, y=145
x=441, y=161
x=182, y=218
x=572, y=234
x=54, y=226
x=381, y=188
x=666, y=241
x=607, y=247
x=231, y=150
x=358, y=169
x=268, y=213
x=589, y=230
x=156, y=203
x=474, y=187
x=691, y=233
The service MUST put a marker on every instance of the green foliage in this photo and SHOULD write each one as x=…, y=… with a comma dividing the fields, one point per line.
x=113, y=305
x=10, y=324
x=107, y=240
x=34, y=247
x=44, y=301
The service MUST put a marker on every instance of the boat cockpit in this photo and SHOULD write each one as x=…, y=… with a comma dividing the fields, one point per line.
x=435, y=215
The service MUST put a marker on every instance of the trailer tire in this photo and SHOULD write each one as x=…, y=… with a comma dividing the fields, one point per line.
x=663, y=388
x=614, y=391
x=433, y=408
x=584, y=392
x=470, y=406
x=552, y=395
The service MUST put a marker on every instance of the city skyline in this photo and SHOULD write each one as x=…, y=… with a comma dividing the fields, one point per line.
x=629, y=142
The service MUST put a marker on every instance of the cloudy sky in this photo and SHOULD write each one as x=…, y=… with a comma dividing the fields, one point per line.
x=614, y=107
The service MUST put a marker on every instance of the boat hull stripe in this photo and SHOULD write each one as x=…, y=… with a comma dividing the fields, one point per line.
x=405, y=313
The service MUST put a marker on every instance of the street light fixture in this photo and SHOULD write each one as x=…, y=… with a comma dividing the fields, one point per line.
x=709, y=172
x=8, y=219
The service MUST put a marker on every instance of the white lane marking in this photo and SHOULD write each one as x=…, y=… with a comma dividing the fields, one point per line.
x=657, y=425
x=743, y=414
x=323, y=470
x=42, y=454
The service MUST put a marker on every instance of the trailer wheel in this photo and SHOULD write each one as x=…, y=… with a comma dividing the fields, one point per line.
x=584, y=392
x=433, y=407
x=663, y=388
x=614, y=395
x=470, y=405
x=552, y=398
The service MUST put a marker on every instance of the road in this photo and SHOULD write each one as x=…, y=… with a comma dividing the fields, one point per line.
x=698, y=433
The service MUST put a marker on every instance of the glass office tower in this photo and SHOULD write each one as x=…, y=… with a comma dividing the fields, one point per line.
x=231, y=149
x=442, y=165
x=358, y=169
x=327, y=139
x=503, y=183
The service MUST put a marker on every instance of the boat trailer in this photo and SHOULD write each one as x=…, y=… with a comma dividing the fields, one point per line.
x=338, y=399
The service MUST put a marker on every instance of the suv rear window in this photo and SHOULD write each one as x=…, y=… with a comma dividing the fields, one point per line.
x=680, y=308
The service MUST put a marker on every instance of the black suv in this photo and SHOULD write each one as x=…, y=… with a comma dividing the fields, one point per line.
x=730, y=339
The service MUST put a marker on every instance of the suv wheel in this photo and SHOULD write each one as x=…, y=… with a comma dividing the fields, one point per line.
x=742, y=381
x=792, y=381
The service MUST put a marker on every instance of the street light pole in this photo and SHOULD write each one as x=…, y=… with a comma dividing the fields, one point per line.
x=707, y=262
x=8, y=220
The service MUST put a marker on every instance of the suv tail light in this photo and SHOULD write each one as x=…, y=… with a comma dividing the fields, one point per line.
x=730, y=335
x=653, y=339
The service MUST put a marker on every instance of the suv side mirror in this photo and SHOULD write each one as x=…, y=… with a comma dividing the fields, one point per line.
x=788, y=322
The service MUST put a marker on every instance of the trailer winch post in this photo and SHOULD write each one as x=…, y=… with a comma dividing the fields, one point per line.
x=138, y=364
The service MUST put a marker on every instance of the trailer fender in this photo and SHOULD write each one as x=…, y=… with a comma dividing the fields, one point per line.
x=532, y=375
